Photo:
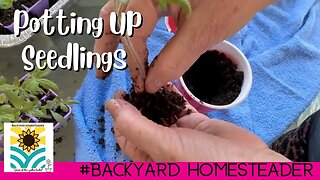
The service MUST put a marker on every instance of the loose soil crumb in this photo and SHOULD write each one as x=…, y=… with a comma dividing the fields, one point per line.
x=117, y=147
x=102, y=142
x=102, y=109
x=101, y=121
x=102, y=129
x=58, y=140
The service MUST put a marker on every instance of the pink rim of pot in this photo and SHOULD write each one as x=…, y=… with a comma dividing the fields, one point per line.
x=236, y=57
x=37, y=9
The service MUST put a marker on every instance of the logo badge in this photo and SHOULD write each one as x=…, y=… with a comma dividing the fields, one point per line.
x=28, y=147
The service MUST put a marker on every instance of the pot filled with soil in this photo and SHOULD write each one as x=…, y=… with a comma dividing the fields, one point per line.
x=220, y=79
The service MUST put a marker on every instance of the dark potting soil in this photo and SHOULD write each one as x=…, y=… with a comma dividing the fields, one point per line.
x=163, y=107
x=58, y=140
x=28, y=3
x=117, y=147
x=7, y=15
x=102, y=109
x=4, y=31
x=102, y=142
x=214, y=79
x=112, y=130
x=52, y=2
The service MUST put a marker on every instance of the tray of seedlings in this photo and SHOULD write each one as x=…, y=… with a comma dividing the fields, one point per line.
x=34, y=9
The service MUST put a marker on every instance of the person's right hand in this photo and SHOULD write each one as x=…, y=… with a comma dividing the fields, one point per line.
x=211, y=22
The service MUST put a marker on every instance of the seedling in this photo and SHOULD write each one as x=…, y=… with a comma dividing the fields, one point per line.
x=164, y=106
x=30, y=98
x=6, y=4
x=185, y=5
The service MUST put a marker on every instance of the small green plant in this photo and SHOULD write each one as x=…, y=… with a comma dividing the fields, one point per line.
x=184, y=4
x=21, y=100
x=6, y=4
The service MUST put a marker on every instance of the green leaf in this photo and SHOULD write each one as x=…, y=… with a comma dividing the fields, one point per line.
x=31, y=85
x=5, y=87
x=8, y=118
x=2, y=98
x=41, y=73
x=184, y=4
x=47, y=84
x=6, y=4
x=5, y=108
x=16, y=82
x=72, y=102
x=1, y=127
x=14, y=98
x=2, y=80
x=63, y=107
x=27, y=106
x=124, y=1
x=59, y=119
x=1, y=150
x=50, y=105
x=37, y=113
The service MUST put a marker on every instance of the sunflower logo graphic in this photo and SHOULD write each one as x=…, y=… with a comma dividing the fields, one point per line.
x=28, y=140
x=28, y=147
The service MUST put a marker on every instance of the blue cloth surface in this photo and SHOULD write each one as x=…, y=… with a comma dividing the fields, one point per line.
x=282, y=44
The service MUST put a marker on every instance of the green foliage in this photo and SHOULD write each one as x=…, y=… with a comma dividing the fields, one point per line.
x=59, y=118
x=6, y=4
x=184, y=4
x=22, y=98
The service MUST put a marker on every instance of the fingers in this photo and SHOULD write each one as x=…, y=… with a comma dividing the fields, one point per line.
x=108, y=42
x=193, y=121
x=221, y=129
x=140, y=131
x=195, y=35
x=191, y=40
x=137, y=61
x=131, y=150
x=119, y=95
x=189, y=109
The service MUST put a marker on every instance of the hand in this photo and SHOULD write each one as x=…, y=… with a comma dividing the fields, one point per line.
x=211, y=22
x=194, y=138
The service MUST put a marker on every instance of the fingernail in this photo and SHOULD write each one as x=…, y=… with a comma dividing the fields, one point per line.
x=113, y=106
x=169, y=85
x=118, y=95
x=153, y=86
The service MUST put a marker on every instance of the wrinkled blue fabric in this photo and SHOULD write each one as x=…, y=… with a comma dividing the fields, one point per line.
x=282, y=43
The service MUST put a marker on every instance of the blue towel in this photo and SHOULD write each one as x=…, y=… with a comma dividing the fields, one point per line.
x=282, y=44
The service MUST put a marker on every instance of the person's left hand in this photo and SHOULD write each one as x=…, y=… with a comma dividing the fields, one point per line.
x=194, y=138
